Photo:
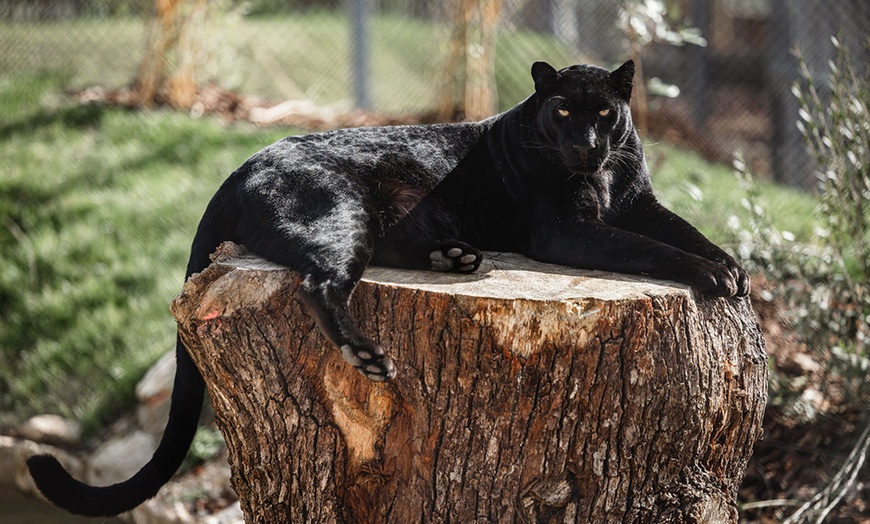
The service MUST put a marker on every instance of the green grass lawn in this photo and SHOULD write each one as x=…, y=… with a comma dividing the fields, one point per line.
x=97, y=210
x=709, y=194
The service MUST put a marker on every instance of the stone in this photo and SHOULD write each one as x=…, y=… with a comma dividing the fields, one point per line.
x=51, y=429
x=14, y=453
x=154, y=392
x=800, y=364
x=159, y=511
x=232, y=514
x=120, y=458
x=157, y=381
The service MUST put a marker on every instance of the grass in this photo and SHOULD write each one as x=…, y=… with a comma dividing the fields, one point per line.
x=97, y=210
x=709, y=195
x=90, y=51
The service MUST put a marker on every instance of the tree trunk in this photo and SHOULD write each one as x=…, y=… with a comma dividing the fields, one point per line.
x=525, y=392
x=470, y=61
x=481, y=97
x=168, y=67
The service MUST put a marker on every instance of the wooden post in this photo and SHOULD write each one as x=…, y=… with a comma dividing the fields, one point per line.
x=470, y=60
x=525, y=392
x=168, y=67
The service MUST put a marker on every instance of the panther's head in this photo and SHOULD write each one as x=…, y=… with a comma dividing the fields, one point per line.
x=583, y=112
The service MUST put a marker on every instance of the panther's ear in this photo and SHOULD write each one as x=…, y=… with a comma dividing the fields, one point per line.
x=545, y=76
x=623, y=80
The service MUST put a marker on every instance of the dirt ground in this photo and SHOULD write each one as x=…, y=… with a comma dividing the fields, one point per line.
x=18, y=508
x=797, y=457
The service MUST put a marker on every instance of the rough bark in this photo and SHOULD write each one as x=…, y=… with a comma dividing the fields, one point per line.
x=525, y=393
x=470, y=60
x=168, y=67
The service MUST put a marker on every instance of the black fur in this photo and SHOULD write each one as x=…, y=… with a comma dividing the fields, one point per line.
x=561, y=178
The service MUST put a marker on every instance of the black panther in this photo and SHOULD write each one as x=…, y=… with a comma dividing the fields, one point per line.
x=560, y=178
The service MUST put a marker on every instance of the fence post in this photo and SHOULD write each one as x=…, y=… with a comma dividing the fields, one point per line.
x=360, y=52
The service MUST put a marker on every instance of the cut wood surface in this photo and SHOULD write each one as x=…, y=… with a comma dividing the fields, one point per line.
x=526, y=392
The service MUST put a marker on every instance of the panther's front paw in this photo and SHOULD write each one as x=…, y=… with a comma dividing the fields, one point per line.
x=714, y=279
x=741, y=278
x=370, y=360
x=453, y=255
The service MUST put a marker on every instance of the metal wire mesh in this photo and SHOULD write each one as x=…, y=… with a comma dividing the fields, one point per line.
x=735, y=92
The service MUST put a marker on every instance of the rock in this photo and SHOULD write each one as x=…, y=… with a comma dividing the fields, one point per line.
x=207, y=482
x=157, y=511
x=815, y=401
x=154, y=392
x=157, y=382
x=229, y=515
x=14, y=453
x=51, y=429
x=152, y=417
x=118, y=459
x=800, y=364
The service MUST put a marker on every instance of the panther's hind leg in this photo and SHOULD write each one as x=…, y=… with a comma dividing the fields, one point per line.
x=318, y=226
x=330, y=274
x=327, y=303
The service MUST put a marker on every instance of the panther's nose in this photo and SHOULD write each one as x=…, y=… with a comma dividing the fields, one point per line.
x=583, y=149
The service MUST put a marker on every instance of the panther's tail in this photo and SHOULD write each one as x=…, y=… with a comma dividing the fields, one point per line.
x=57, y=484
x=77, y=497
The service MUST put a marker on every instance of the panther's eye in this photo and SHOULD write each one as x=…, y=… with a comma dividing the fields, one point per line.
x=563, y=112
x=604, y=112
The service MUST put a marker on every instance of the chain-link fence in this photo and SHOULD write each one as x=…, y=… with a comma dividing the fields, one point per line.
x=718, y=79
x=391, y=56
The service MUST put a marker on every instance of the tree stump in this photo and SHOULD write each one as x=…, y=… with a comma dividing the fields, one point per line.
x=526, y=392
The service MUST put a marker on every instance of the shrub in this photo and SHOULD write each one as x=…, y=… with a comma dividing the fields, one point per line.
x=825, y=284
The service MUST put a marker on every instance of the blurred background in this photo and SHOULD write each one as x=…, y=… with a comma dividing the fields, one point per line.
x=119, y=119
x=719, y=72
